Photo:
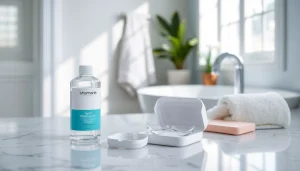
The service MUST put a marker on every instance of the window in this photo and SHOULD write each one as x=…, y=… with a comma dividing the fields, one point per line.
x=8, y=26
x=249, y=28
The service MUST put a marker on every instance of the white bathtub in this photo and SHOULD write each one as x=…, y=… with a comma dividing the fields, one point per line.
x=209, y=94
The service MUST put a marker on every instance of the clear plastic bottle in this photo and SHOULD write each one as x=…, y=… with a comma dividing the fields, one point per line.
x=85, y=106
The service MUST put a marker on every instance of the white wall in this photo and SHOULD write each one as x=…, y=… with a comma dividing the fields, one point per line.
x=88, y=32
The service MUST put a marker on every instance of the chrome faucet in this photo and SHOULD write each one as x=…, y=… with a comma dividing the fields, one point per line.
x=239, y=70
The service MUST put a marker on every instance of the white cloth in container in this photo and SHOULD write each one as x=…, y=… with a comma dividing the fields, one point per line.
x=266, y=110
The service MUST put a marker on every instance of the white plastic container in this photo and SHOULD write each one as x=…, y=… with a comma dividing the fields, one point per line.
x=185, y=112
x=173, y=140
x=181, y=112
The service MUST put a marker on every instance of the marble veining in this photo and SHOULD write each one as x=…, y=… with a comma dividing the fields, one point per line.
x=42, y=144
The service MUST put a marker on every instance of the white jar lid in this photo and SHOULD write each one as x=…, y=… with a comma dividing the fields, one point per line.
x=127, y=140
x=175, y=111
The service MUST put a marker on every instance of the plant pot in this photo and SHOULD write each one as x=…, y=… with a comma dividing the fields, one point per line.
x=177, y=77
x=209, y=78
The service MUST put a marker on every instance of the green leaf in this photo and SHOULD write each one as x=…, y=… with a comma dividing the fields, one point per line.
x=174, y=41
x=166, y=47
x=158, y=51
x=208, y=68
x=193, y=41
x=176, y=45
x=181, y=31
x=208, y=65
x=164, y=24
x=189, y=45
x=163, y=52
x=175, y=23
x=184, y=52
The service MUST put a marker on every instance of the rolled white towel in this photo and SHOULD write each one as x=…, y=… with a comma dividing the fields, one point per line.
x=266, y=110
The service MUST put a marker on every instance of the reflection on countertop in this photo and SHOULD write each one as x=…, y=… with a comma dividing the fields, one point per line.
x=252, y=151
x=43, y=144
x=253, y=142
x=162, y=157
x=85, y=156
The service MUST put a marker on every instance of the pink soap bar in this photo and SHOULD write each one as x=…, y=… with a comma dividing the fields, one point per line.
x=230, y=127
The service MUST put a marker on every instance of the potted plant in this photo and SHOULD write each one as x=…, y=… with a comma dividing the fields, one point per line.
x=176, y=49
x=208, y=77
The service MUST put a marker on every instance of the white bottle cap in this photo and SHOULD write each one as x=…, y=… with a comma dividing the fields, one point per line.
x=85, y=70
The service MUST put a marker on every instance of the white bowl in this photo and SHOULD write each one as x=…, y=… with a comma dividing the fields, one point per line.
x=208, y=94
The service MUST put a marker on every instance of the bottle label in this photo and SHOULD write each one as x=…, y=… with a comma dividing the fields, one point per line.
x=85, y=109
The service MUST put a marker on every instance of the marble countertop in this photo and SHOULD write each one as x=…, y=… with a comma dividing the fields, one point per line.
x=43, y=144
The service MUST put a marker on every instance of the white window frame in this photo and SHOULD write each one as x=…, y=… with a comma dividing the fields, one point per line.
x=9, y=52
x=279, y=55
x=17, y=6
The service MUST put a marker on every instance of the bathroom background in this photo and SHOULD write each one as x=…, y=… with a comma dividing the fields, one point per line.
x=42, y=42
